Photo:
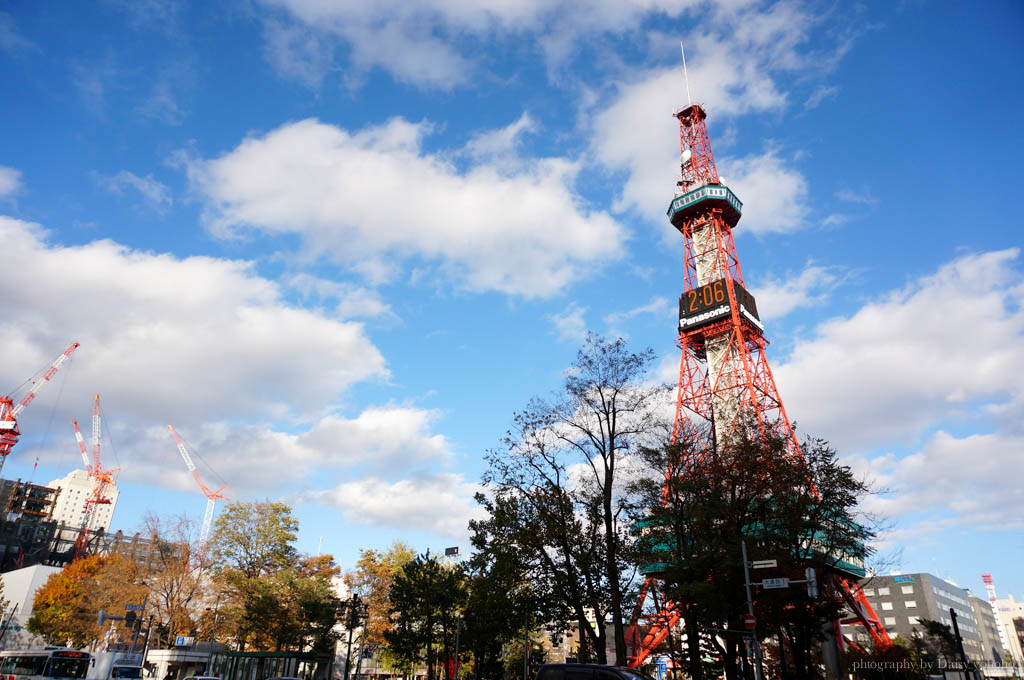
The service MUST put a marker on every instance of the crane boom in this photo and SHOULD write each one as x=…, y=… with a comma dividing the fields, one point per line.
x=96, y=433
x=81, y=447
x=211, y=496
x=9, y=411
x=27, y=399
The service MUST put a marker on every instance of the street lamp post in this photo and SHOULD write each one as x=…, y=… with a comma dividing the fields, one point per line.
x=354, y=610
x=213, y=629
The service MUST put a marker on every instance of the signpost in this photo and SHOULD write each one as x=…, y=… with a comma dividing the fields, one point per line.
x=770, y=583
x=749, y=621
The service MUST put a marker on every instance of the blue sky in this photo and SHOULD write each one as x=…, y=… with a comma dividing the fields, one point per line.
x=337, y=245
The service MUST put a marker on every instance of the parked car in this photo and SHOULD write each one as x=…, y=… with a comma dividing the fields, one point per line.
x=587, y=671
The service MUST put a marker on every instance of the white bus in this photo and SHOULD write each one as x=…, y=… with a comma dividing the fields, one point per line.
x=52, y=663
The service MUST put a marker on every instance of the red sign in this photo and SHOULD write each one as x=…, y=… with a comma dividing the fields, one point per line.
x=749, y=621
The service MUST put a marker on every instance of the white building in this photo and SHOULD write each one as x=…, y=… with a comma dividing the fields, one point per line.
x=75, y=489
x=20, y=588
x=1009, y=610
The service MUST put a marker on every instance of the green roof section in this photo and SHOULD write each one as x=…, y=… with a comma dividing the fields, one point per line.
x=718, y=193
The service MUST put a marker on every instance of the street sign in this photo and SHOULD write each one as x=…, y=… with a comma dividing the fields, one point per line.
x=184, y=641
x=749, y=621
x=133, y=607
x=764, y=564
x=770, y=583
x=448, y=552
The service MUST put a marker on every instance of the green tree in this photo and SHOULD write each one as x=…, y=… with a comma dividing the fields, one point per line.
x=560, y=471
x=496, y=615
x=798, y=510
x=253, y=544
x=426, y=598
x=255, y=538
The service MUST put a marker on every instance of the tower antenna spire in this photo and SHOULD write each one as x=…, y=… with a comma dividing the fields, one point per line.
x=685, y=76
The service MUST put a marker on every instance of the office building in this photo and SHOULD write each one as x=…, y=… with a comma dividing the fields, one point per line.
x=71, y=508
x=902, y=600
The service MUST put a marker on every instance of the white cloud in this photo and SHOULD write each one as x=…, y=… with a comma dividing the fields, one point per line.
x=382, y=441
x=298, y=52
x=862, y=197
x=503, y=142
x=733, y=71
x=154, y=192
x=569, y=323
x=820, y=94
x=348, y=300
x=953, y=481
x=10, y=40
x=774, y=195
x=372, y=195
x=161, y=105
x=10, y=181
x=441, y=503
x=812, y=286
x=163, y=339
x=423, y=43
x=908, y=361
x=658, y=307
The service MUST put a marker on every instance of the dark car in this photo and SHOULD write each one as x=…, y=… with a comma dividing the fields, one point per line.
x=587, y=671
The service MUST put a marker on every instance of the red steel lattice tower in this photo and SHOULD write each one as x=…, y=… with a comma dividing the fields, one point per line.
x=725, y=382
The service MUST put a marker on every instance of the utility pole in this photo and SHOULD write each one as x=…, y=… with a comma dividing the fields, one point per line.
x=758, y=667
x=959, y=640
x=138, y=623
x=526, y=644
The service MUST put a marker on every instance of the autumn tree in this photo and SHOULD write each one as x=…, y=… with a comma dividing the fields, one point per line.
x=177, y=578
x=559, y=478
x=371, y=580
x=66, y=608
x=271, y=596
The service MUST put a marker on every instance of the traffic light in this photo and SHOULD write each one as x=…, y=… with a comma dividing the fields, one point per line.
x=812, y=582
x=102, y=617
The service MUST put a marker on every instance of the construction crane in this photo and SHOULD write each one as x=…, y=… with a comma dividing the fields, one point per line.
x=101, y=478
x=211, y=496
x=9, y=411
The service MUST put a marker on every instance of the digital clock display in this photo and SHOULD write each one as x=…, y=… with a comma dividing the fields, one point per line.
x=710, y=303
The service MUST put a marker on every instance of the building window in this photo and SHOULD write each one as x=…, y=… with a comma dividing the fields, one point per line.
x=910, y=604
x=883, y=591
x=913, y=620
x=890, y=620
x=887, y=606
x=907, y=590
x=869, y=591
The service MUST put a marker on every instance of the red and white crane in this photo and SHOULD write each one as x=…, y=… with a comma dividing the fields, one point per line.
x=9, y=411
x=211, y=496
x=990, y=589
x=101, y=478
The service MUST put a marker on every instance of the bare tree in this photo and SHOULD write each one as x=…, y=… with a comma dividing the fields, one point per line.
x=564, y=461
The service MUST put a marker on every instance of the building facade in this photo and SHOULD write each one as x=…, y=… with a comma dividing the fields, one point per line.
x=20, y=588
x=902, y=600
x=71, y=508
x=1011, y=618
x=988, y=630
